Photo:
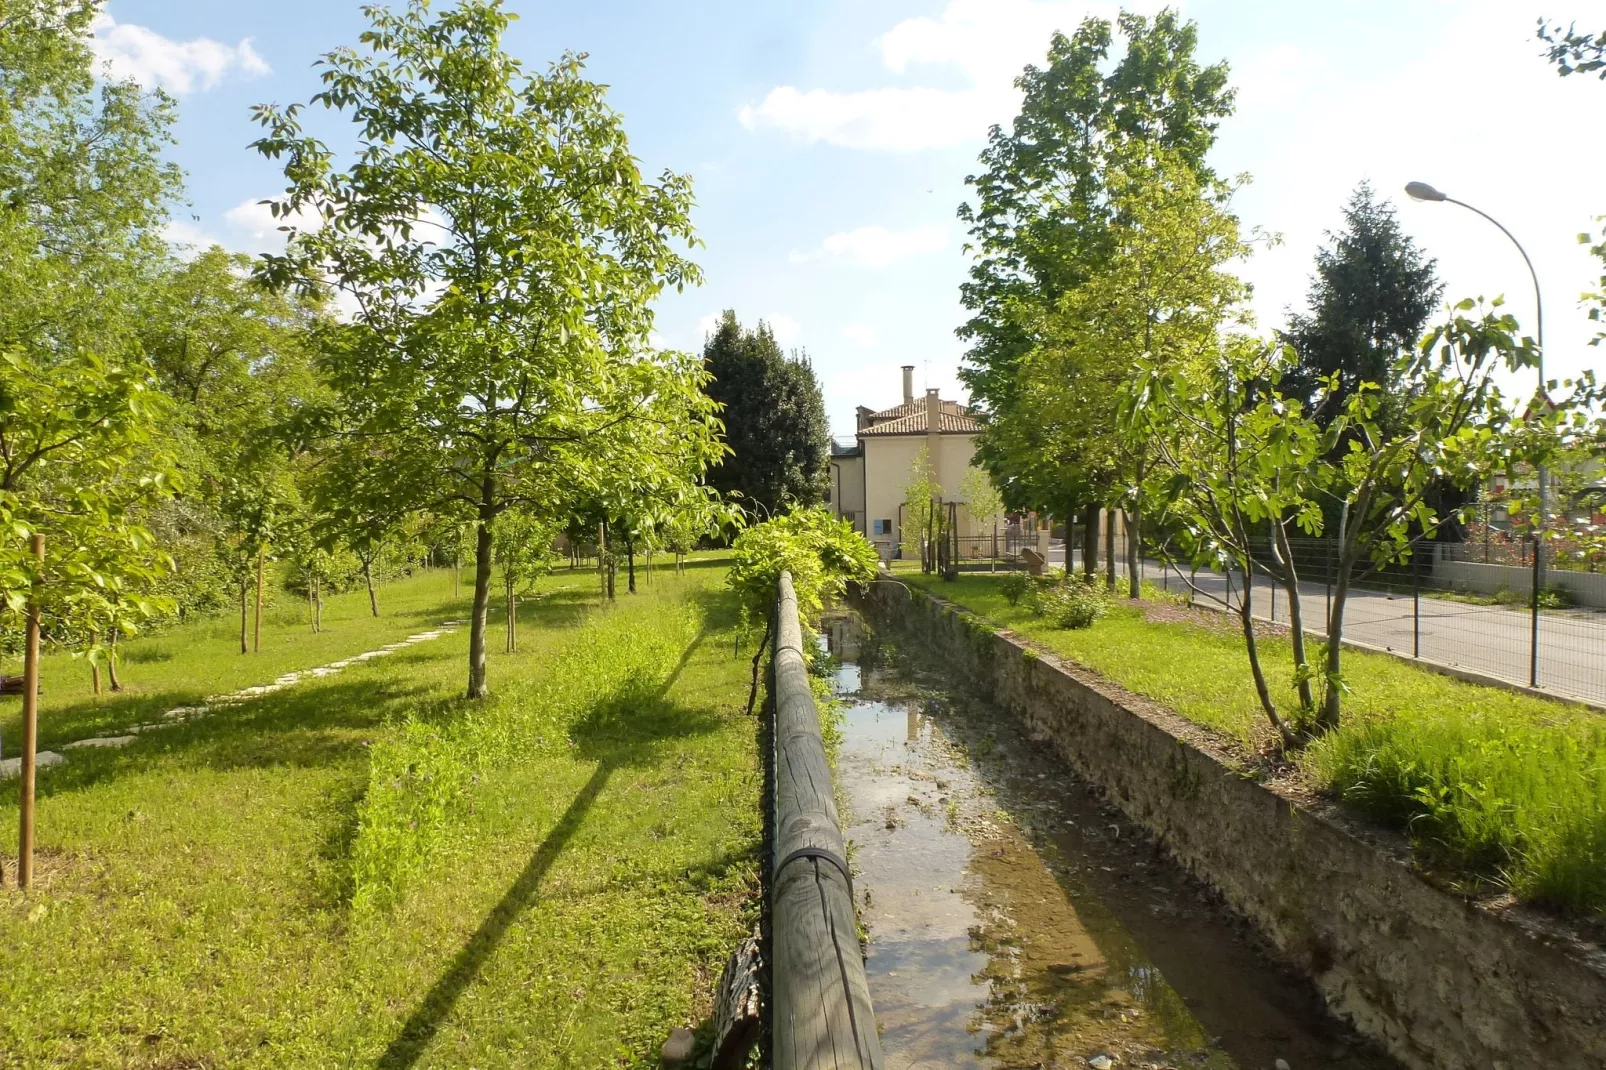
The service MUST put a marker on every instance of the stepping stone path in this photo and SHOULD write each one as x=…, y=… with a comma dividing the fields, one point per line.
x=45, y=759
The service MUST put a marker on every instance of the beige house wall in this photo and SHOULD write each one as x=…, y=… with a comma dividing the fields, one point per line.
x=847, y=490
x=889, y=463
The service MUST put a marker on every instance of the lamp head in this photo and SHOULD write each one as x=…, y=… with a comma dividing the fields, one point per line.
x=1421, y=191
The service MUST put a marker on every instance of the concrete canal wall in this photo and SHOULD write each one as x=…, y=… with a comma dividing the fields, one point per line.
x=1441, y=982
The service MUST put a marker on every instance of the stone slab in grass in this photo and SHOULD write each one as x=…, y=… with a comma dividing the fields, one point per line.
x=100, y=743
x=12, y=767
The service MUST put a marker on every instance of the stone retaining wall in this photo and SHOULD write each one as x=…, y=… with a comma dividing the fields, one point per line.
x=1439, y=981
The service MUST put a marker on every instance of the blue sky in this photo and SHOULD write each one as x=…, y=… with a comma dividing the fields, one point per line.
x=829, y=141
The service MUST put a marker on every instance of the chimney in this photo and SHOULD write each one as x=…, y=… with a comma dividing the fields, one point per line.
x=908, y=384
x=933, y=430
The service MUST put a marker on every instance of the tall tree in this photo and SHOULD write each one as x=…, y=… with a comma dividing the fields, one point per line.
x=502, y=251
x=1041, y=217
x=1370, y=299
x=774, y=418
x=83, y=194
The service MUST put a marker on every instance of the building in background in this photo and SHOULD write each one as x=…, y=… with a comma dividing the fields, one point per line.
x=869, y=477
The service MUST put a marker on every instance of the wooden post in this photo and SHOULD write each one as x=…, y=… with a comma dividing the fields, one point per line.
x=30, y=719
x=256, y=633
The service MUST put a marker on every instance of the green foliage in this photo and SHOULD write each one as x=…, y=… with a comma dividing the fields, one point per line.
x=1066, y=600
x=1370, y=299
x=923, y=514
x=1518, y=804
x=1014, y=587
x=1041, y=226
x=1572, y=52
x=774, y=417
x=823, y=554
x=83, y=192
x=503, y=252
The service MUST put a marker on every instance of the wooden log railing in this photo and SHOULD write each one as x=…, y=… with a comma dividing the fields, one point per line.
x=821, y=1013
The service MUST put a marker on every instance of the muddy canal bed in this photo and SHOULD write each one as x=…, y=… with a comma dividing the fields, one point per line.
x=1016, y=921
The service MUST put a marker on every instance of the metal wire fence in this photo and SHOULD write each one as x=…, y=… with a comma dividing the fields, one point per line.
x=1444, y=604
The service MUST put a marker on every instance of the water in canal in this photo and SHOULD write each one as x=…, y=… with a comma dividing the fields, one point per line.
x=1015, y=920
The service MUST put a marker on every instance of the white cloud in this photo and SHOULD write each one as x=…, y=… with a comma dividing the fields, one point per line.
x=787, y=331
x=862, y=335
x=188, y=237
x=877, y=247
x=179, y=67
x=987, y=42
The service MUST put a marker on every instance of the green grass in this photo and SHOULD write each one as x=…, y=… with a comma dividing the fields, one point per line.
x=186, y=663
x=1494, y=787
x=583, y=856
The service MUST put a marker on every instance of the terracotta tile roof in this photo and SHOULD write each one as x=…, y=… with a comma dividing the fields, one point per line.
x=954, y=419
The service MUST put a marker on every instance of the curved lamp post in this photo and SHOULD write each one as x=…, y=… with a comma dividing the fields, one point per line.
x=1421, y=191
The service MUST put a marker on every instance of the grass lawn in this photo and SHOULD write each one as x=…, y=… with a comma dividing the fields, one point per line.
x=1503, y=789
x=558, y=872
x=185, y=664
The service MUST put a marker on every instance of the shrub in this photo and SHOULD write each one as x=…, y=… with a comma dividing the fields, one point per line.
x=823, y=554
x=1073, y=604
x=1014, y=587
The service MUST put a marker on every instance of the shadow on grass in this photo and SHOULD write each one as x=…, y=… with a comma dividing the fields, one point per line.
x=113, y=714
x=627, y=730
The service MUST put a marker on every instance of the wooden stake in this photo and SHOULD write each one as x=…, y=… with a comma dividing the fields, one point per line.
x=30, y=721
x=256, y=633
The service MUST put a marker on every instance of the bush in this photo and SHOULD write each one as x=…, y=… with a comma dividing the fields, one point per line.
x=1072, y=604
x=1014, y=587
x=823, y=554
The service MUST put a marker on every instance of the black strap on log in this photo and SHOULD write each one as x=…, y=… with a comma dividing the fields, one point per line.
x=820, y=854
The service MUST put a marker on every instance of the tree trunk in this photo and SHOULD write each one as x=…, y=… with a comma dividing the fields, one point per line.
x=512, y=610
x=1333, y=694
x=312, y=606
x=1246, y=618
x=482, y=603
x=1109, y=549
x=368, y=578
x=602, y=555
x=256, y=634
x=1134, y=554
x=1090, y=542
x=317, y=604
x=457, y=576
x=610, y=571
x=1284, y=553
x=111, y=662
x=630, y=557
x=94, y=666
x=245, y=616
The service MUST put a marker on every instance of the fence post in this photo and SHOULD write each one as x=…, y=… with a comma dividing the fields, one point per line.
x=1327, y=573
x=30, y=721
x=1533, y=638
x=1416, y=604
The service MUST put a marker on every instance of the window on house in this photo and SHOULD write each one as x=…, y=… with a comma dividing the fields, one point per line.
x=883, y=527
x=827, y=495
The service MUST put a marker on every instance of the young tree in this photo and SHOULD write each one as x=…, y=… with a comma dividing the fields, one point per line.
x=922, y=512
x=1232, y=458
x=83, y=193
x=774, y=416
x=502, y=251
x=1370, y=299
x=1040, y=227
x=1163, y=298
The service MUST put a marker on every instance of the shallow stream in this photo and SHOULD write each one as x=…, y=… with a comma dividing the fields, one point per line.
x=1017, y=921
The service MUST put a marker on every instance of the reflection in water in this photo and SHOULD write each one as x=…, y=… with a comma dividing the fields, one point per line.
x=1016, y=922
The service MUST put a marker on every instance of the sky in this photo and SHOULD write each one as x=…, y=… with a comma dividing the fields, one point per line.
x=829, y=142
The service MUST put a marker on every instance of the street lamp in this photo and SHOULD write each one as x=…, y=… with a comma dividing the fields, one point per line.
x=1421, y=191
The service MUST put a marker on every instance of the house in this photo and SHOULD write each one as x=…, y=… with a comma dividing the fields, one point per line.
x=868, y=478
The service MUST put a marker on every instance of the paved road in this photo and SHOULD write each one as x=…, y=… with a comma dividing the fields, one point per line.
x=1488, y=639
